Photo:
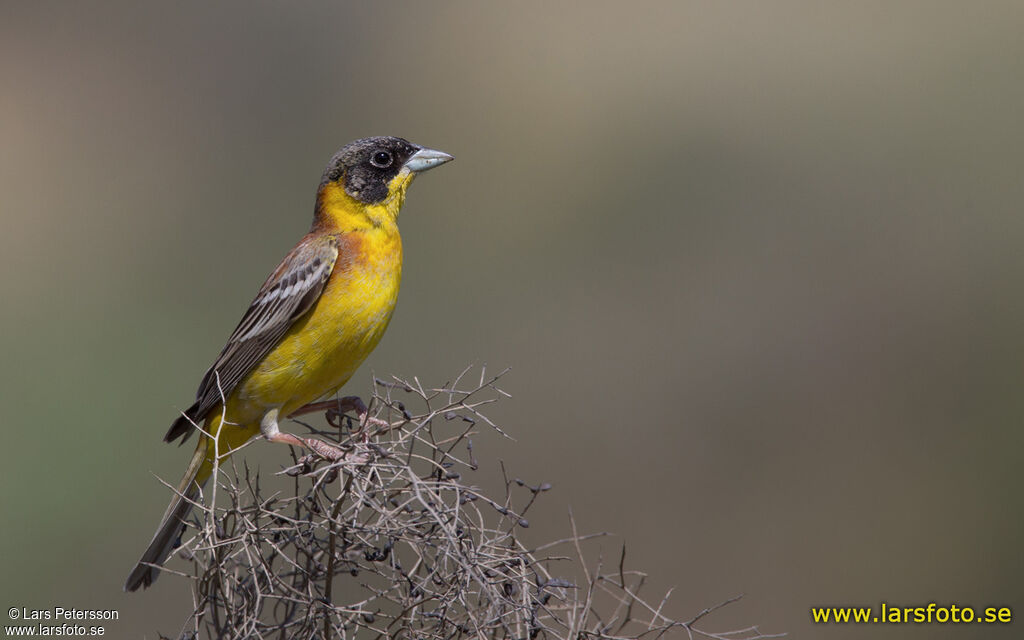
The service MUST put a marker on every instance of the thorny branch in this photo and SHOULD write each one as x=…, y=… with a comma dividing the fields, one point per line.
x=392, y=543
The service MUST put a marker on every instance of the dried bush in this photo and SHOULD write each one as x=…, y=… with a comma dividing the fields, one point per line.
x=393, y=542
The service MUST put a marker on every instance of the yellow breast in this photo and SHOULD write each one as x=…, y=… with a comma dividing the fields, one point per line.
x=324, y=348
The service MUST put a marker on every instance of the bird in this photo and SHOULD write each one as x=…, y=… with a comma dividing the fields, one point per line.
x=313, y=322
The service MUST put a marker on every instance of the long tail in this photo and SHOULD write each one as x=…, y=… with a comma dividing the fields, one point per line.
x=173, y=522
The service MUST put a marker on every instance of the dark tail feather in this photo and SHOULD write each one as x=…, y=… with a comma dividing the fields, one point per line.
x=173, y=523
x=183, y=426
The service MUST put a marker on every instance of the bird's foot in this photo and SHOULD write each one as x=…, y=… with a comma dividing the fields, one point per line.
x=334, y=410
x=334, y=454
x=322, y=450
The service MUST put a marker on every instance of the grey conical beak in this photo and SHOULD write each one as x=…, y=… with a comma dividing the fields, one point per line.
x=425, y=159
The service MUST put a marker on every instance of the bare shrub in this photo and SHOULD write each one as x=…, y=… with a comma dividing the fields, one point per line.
x=394, y=543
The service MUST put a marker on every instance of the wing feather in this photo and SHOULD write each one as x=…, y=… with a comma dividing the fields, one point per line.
x=286, y=296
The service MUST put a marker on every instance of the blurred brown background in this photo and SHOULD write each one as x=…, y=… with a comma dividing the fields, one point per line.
x=756, y=267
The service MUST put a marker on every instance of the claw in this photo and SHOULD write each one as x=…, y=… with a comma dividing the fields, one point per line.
x=335, y=409
x=334, y=453
x=334, y=417
x=324, y=450
x=334, y=412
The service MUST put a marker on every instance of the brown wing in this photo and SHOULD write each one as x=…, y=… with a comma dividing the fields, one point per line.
x=287, y=294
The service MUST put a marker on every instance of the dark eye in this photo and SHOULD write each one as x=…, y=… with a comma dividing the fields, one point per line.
x=381, y=159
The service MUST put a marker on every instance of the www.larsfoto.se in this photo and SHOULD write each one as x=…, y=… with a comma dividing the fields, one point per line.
x=930, y=613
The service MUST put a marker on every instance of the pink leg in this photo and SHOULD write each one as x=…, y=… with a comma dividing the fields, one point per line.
x=272, y=433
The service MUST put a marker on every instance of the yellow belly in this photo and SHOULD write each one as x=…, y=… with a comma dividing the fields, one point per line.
x=322, y=349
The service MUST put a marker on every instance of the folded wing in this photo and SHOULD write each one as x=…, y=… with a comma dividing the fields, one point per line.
x=286, y=296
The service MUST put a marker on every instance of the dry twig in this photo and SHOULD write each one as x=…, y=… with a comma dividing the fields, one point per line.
x=393, y=543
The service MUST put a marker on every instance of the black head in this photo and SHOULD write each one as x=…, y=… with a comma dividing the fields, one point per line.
x=366, y=167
